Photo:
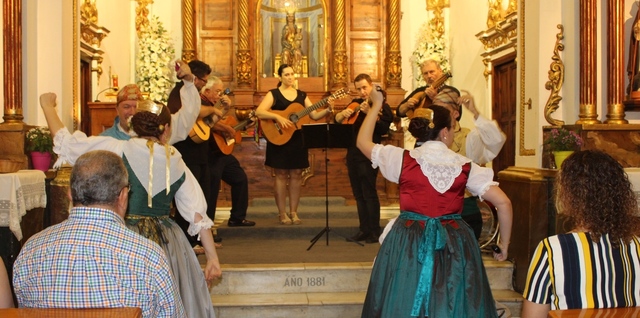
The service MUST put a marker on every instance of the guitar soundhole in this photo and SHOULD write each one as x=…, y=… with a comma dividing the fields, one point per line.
x=294, y=118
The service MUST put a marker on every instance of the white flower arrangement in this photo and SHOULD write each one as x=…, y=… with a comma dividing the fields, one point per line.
x=429, y=47
x=155, y=53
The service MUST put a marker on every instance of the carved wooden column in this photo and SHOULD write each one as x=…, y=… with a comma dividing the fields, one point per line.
x=615, y=58
x=588, y=66
x=188, y=31
x=393, y=60
x=243, y=54
x=12, y=46
x=340, y=68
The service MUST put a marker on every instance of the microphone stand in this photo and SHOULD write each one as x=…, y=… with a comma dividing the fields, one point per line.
x=115, y=89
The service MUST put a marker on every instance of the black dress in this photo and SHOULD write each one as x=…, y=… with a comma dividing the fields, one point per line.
x=293, y=154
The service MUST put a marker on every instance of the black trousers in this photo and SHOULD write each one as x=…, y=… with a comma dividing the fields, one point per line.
x=363, y=184
x=227, y=168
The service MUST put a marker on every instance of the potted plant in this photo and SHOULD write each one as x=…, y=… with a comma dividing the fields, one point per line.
x=562, y=143
x=40, y=146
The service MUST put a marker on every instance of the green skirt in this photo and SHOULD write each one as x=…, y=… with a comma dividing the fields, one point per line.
x=459, y=286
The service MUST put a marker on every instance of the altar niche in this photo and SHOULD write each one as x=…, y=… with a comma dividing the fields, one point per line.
x=293, y=35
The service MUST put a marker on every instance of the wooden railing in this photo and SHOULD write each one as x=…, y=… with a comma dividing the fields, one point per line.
x=632, y=312
x=125, y=312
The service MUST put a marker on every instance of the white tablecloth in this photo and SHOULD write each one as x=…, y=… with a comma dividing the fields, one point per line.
x=19, y=192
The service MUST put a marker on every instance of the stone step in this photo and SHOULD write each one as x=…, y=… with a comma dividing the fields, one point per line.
x=271, y=228
x=312, y=305
x=321, y=277
x=309, y=208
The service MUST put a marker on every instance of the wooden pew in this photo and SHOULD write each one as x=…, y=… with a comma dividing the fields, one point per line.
x=631, y=312
x=125, y=312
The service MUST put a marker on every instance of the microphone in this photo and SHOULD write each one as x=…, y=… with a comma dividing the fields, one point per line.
x=115, y=89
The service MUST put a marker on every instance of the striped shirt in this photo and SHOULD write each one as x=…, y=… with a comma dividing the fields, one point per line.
x=92, y=260
x=571, y=271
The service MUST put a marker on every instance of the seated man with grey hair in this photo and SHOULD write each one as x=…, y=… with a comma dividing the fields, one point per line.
x=92, y=260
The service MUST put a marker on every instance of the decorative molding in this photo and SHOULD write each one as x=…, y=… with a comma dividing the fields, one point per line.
x=188, y=31
x=497, y=13
x=142, y=14
x=393, y=61
x=487, y=69
x=394, y=69
x=243, y=68
x=89, y=12
x=523, y=151
x=437, y=22
x=588, y=62
x=340, y=67
x=12, y=61
x=75, y=64
x=556, y=80
x=91, y=36
x=502, y=35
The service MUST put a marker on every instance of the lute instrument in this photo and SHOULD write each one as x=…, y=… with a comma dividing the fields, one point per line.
x=424, y=98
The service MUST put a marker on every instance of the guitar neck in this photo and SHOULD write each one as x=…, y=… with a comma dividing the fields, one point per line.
x=438, y=83
x=241, y=124
x=307, y=110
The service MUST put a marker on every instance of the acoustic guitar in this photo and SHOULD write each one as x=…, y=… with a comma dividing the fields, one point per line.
x=297, y=114
x=226, y=144
x=201, y=130
x=426, y=100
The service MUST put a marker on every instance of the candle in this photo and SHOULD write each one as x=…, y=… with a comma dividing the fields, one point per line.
x=114, y=81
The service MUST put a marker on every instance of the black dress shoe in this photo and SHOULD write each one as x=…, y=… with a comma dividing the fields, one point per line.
x=240, y=223
x=217, y=239
x=372, y=239
x=361, y=236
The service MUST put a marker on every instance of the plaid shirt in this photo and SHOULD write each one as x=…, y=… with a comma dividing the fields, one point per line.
x=92, y=260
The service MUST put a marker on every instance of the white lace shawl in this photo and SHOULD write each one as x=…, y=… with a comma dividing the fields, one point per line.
x=438, y=163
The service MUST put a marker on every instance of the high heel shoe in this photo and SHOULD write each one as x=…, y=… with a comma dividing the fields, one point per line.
x=284, y=219
x=295, y=219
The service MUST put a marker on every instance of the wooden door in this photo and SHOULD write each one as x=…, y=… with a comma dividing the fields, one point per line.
x=504, y=108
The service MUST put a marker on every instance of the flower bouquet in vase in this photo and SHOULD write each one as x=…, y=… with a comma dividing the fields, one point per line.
x=562, y=143
x=40, y=146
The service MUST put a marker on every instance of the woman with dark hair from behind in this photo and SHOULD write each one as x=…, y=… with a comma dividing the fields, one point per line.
x=157, y=175
x=596, y=264
x=287, y=160
x=6, y=295
x=429, y=264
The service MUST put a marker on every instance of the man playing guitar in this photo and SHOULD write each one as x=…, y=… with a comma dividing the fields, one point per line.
x=223, y=166
x=361, y=175
x=431, y=72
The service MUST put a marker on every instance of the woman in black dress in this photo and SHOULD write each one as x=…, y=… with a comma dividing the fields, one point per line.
x=287, y=160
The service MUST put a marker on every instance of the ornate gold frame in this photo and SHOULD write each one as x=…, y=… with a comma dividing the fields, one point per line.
x=556, y=80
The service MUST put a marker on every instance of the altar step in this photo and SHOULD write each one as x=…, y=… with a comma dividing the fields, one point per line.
x=342, y=218
x=268, y=270
x=320, y=290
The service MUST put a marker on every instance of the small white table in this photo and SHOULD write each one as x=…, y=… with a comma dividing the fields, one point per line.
x=19, y=192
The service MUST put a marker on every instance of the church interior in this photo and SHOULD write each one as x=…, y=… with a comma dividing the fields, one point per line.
x=532, y=67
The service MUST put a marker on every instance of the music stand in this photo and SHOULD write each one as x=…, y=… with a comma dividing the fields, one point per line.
x=327, y=136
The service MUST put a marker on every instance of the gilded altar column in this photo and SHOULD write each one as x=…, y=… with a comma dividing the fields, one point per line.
x=340, y=69
x=12, y=62
x=615, y=57
x=393, y=60
x=188, y=31
x=588, y=70
x=244, y=56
